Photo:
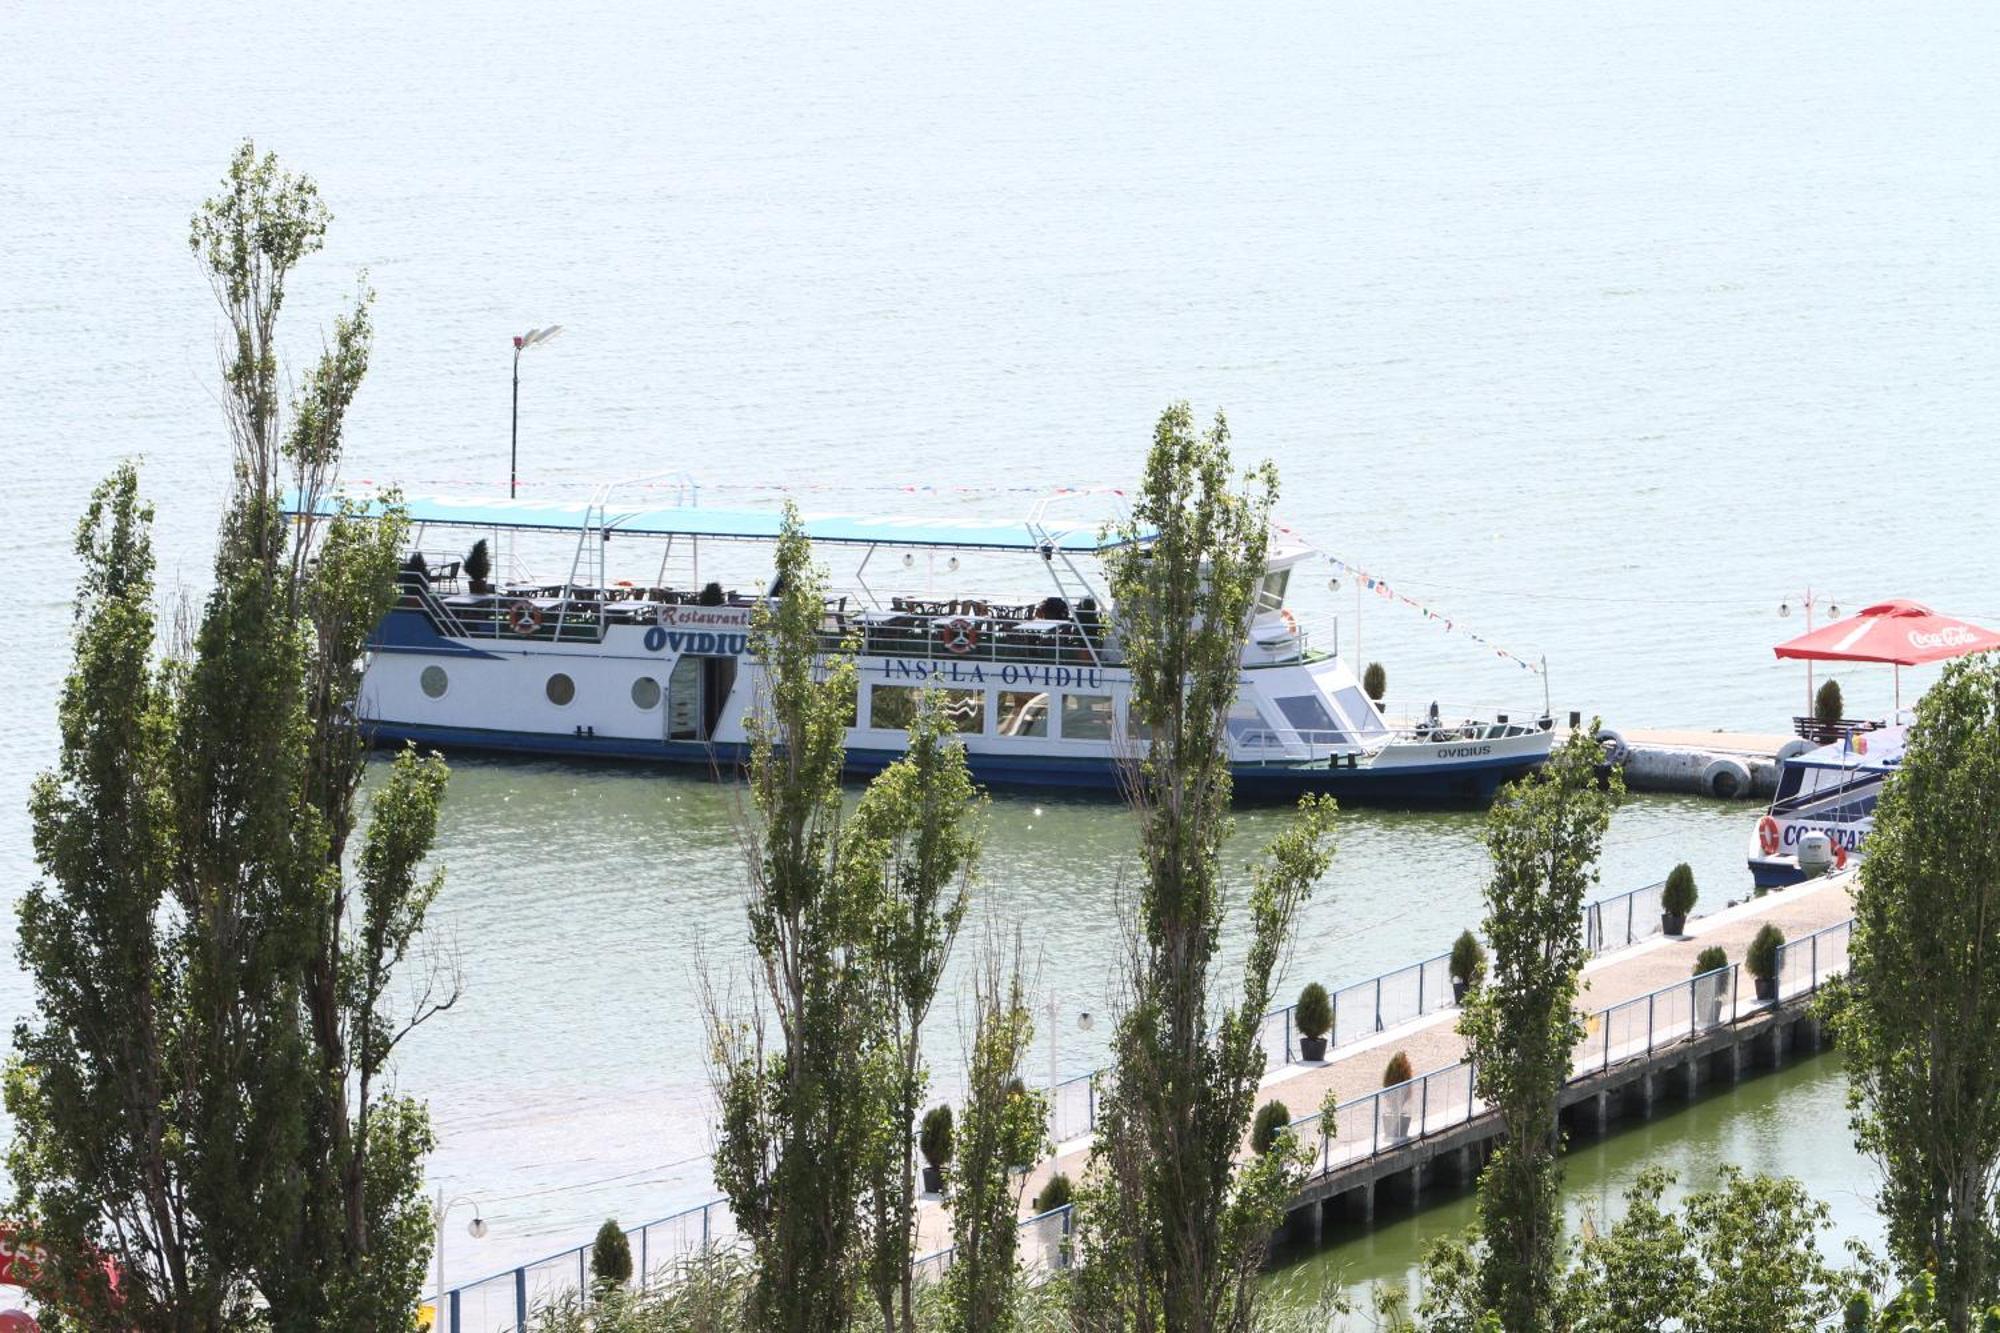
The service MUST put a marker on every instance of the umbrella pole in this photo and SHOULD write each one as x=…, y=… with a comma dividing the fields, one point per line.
x=1899, y=692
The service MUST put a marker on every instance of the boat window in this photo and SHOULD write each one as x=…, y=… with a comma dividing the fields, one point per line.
x=646, y=693
x=1310, y=719
x=434, y=681
x=1790, y=781
x=1136, y=726
x=560, y=689
x=1024, y=713
x=1248, y=728
x=1086, y=717
x=1361, y=714
x=1271, y=591
x=894, y=707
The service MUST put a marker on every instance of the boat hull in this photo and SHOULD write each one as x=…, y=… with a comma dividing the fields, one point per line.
x=1455, y=784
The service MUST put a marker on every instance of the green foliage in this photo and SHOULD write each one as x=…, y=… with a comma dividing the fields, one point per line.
x=1398, y=1070
x=1314, y=1012
x=935, y=1139
x=1760, y=960
x=1375, y=681
x=801, y=1140
x=1272, y=1122
x=1742, y=1256
x=1710, y=959
x=611, y=1255
x=1056, y=1194
x=1827, y=704
x=1919, y=1015
x=1543, y=834
x=1678, y=897
x=1468, y=959
x=1172, y=1226
x=1002, y=1124
x=197, y=1094
x=478, y=563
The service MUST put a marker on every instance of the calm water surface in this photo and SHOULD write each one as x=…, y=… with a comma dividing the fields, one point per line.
x=1601, y=331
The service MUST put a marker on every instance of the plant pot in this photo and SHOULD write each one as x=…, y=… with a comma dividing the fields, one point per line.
x=1715, y=1009
x=1767, y=988
x=1399, y=1125
x=1458, y=990
x=933, y=1179
x=1312, y=1049
x=1672, y=924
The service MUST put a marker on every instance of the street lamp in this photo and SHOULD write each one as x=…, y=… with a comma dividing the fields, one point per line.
x=1784, y=610
x=522, y=342
x=476, y=1229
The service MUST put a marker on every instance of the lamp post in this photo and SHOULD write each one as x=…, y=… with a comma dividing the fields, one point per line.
x=476, y=1229
x=1785, y=609
x=522, y=342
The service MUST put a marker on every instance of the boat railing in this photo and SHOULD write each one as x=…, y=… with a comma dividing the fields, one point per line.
x=1441, y=721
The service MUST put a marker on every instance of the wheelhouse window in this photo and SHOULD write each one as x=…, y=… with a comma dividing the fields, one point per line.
x=1361, y=714
x=1087, y=717
x=894, y=708
x=1248, y=728
x=1024, y=713
x=1271, y=590
x=1309, y=717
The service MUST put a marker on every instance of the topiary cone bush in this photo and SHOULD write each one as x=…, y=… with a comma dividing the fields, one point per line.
x=1375, y=680
x=1272, y=1120
x=1054, y=1195
x=934, y=1142
x=1398, y=1070
x=1827, y=706
x=1314, y=1016
x=1709, y=959
x=1761, y=959
x=1468, y=964
x=478, y=567
x=611, y=1255
x=1396, y=1105
x=1677, y=899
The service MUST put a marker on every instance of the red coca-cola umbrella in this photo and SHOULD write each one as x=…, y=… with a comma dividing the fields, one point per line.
x=1900, y=632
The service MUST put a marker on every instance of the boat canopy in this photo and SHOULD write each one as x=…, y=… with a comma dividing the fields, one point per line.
x=729, y=524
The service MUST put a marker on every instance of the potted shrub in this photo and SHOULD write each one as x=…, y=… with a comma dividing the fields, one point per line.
x=1272, y=1121
x=1761, y=960
x=1314, y=1016
x=611, y=1256
x=478, y=568
x=1396, y=1103
x=934, y=1142
x=1677, y=899
x=1375, y=680
x=1711, y=959
x=1468, y=965
x=1054, y=1195
x=1828, y=707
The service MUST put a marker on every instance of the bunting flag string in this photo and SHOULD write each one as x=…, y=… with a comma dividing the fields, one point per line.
x=1381, y=587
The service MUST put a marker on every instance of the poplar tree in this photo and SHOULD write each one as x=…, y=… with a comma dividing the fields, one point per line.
x=802, y=1109
x=1544, y=834
x=1174, y=1225
x=199, y=1098
x=1000, y=1125
x=909, y=853
x=1919, y=1013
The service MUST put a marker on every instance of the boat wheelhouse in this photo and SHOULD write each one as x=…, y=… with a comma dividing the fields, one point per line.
x=1824, y=807
x=642, y=651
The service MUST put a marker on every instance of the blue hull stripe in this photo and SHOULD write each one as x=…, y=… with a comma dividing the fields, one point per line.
x=1469, y=783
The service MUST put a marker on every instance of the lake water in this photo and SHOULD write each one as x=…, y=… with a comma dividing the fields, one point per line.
x=1602, y=331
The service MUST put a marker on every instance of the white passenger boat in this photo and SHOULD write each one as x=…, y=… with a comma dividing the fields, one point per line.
x=1830, y=791
x=641, y=651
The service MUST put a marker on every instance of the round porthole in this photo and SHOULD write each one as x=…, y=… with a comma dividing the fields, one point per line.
x=434, y=681
x=561, y=689
x=646, y=692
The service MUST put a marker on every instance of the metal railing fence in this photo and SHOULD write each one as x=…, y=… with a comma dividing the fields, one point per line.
x=1363, y=1127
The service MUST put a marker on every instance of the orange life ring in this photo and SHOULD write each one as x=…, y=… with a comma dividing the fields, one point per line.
x=1767, y=835
x=524, y=618
x=1291, y=622
x=1839, y=854
x=959, y=636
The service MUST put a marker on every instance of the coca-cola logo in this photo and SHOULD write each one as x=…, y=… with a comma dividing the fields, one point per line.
x=1951, y=636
